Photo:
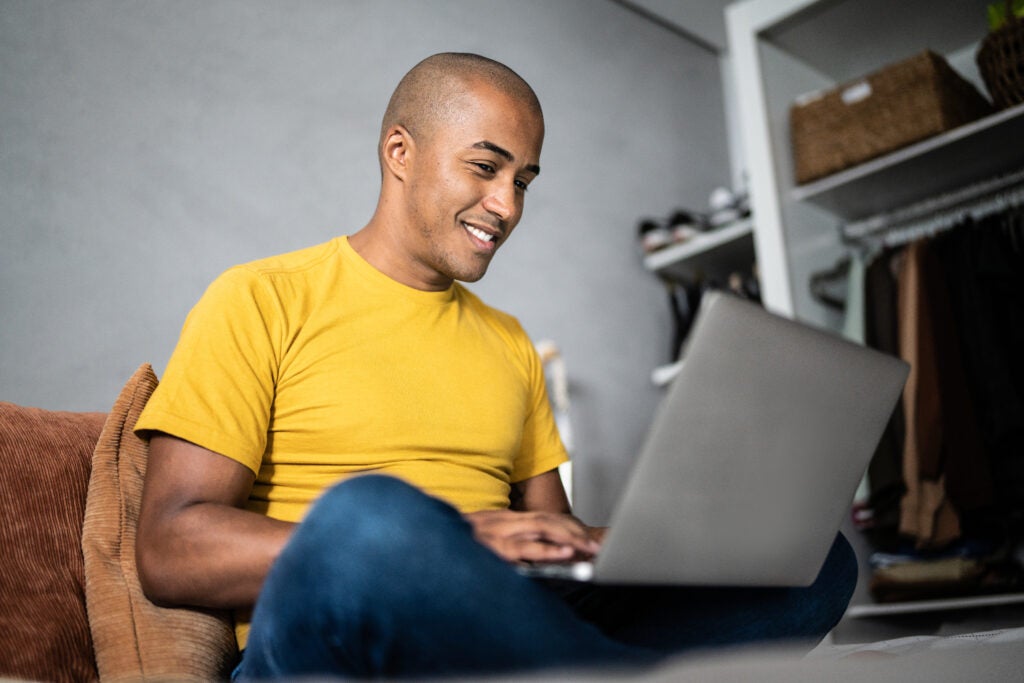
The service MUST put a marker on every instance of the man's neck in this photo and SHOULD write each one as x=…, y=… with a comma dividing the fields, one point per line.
x=382, y=248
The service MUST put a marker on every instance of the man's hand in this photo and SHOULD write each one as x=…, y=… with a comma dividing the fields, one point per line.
x=535, y=536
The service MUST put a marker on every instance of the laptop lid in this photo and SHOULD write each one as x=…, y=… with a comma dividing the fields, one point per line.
x=754, y=455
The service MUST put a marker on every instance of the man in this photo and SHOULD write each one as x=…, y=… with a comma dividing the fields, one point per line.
x=364, y=356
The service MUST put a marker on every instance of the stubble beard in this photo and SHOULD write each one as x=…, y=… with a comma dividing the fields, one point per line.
x=447, y=261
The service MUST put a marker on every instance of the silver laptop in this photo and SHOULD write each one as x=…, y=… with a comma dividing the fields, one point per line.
x=753, y=458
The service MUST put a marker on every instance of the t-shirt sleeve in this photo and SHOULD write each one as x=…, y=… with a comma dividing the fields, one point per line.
x=218, y=388
x=542, y=448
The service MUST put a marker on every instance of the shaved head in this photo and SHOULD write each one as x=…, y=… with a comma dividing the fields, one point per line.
x=433, y=92
x=459, y=144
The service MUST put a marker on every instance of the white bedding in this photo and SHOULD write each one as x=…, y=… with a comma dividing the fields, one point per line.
x=984, y=657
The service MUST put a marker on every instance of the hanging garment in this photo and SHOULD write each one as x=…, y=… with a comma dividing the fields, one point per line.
x=885, y=472
x=945, y=467
x=683, y=300
x=925, y=513
x=984, y=265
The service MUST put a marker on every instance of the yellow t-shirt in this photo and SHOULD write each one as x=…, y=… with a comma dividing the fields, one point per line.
x=312, y=366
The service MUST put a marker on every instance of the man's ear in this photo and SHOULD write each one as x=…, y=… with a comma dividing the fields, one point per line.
x=397, y=151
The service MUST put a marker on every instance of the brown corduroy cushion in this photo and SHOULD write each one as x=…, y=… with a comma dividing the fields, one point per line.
x=135, y=639
x=44, y=470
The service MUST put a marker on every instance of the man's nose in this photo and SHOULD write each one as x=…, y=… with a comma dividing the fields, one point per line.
x=501, y=201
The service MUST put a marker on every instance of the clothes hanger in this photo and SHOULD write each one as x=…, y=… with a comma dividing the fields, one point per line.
x=823, y=283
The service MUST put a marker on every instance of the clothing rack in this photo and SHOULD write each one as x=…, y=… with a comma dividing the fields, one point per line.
x=932, y=215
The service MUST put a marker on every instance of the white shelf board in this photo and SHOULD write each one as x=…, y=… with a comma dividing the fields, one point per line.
x=972, y=152
x=847, y=39
x=716, y=249
x=922, y=606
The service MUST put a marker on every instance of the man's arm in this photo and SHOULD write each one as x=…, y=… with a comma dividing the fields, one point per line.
x=545, y=492
x=538, y=526
x=196, y=545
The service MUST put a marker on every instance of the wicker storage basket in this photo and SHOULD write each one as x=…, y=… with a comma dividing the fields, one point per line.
x=1001, y=62
x=898, y=105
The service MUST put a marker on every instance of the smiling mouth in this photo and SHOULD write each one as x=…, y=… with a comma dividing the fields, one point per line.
x=480, y=234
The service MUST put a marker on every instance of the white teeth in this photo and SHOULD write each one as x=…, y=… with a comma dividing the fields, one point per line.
x=479, y=234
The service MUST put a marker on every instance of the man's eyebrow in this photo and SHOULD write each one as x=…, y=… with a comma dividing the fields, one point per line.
x=501, y=151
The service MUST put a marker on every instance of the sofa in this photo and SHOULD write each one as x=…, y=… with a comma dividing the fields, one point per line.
x=72, y=609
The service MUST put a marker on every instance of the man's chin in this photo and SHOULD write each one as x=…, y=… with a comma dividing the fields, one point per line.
x=472, y=277
x=471, y=273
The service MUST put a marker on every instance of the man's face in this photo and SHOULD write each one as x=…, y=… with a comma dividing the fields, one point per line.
x=467, y=185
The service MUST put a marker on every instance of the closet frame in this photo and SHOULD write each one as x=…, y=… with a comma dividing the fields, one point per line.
x=780, y=50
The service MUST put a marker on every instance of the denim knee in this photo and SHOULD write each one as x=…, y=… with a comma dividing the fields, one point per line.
x=356, y=543
x=380, y=518
x=345, y=567
x=376, y=493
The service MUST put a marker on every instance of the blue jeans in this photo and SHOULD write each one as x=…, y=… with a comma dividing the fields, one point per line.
x=381, y=580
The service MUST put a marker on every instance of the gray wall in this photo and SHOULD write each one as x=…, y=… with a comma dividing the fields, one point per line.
x=146, y=146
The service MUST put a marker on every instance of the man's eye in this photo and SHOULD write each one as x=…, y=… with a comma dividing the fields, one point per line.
x=486, y=168
x=522, y=185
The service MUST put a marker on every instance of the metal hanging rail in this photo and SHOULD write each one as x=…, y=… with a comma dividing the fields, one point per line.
x=936, y=213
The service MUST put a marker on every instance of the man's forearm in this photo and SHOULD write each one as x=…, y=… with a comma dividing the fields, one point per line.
x=196, y=543
x=209, y=555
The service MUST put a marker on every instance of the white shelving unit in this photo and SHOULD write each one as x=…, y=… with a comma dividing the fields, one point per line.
x=781, y=49
x=920, y=606
x=718, y=251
